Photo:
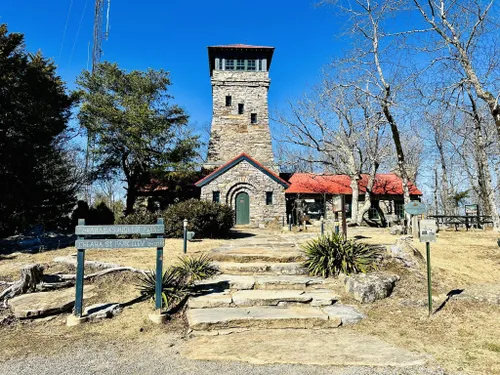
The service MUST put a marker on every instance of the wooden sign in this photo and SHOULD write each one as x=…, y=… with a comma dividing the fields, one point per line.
x=118, y=244
x=89, y=230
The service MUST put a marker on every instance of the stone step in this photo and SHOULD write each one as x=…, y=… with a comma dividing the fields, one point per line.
x=248, y=298
x=260, y=317
x=261, y=268
x=295, y=282
x=249, y=255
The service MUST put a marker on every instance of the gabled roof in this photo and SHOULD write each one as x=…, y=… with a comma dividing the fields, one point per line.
x=309, y=183
x=238, y=159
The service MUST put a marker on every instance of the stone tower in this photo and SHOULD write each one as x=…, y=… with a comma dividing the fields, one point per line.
x=240, y=121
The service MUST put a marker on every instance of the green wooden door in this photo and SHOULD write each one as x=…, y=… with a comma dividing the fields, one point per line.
x=242, y=208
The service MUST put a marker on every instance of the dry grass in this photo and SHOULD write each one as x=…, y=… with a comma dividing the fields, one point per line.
x=462, y=336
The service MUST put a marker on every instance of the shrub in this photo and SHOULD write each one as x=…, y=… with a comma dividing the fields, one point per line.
x=174, y=290
x=331, y=254
x=206, y=219
x=141, y=216
x=196, y=269
x=178, y=281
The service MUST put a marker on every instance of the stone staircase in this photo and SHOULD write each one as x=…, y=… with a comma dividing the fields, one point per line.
x=265, y=286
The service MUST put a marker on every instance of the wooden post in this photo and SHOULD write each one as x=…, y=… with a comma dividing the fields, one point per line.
x=414, y=226
x=344, y=216
x=159, y=274
x=80, y=263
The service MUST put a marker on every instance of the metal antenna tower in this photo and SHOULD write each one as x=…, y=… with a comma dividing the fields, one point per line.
x=101, y=32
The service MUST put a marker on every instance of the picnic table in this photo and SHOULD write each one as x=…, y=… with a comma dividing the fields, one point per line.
x=467, y=220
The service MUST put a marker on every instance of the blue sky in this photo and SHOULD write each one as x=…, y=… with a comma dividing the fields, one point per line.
x=174, y=34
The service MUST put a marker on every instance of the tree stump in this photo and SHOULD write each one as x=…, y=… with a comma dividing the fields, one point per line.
x=31, y=276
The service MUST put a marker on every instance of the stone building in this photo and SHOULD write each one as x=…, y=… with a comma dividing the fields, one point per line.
x=240, y=150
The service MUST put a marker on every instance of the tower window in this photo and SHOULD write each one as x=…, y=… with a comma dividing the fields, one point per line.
x=251, y=65
x=216, y=196
x=229, y=64
x=241, y=108
x=228, y=101
x=240, y=64
x=253, y=118
x=269, y=198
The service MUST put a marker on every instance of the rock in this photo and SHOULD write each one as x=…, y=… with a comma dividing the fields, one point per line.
x=35, y=305
x=348, y=314
x=485, y=293
x=396, y=230
x=322, y=297
x=102, y=311
x=223, y=282
x=367, y=288
x=404, y=252
x=262, y=268
x=298, y=282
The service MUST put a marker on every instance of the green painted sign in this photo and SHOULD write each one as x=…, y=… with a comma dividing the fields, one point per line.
x=118, y=244
x=83, y=230
x=415, y=208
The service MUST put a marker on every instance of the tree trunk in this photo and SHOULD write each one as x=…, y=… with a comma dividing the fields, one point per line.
x=445, y=190
x=355, y=198
x=436, y=189
x=483, y=169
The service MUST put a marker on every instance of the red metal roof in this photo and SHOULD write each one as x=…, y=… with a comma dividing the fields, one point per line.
x=239, y=46
x=385, y=184
x=243, y=156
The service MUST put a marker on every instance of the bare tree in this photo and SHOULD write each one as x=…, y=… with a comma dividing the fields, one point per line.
x=469, y=39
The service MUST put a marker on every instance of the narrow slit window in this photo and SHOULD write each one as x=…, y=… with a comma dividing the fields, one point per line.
x=269, y=198
x=241, y=108
x=253, y=118
x=228, y=101
x=216, y=196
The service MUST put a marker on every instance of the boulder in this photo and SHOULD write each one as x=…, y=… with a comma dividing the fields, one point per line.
x=367, y=288
x=37, y=305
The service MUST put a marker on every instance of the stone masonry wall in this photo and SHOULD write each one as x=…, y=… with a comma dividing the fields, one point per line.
x=245, y=177
x=232, y=133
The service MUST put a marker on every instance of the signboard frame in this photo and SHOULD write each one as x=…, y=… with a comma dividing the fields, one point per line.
x=90, y=237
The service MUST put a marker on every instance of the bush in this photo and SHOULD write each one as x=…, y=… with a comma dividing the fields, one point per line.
x=206, y=219
x=178, y=281
x=331, y=254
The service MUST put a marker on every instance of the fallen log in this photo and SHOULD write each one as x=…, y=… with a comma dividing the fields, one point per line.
x=104, y=272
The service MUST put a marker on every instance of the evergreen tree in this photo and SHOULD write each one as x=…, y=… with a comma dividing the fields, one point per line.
x=37, y=184
x=136, y=132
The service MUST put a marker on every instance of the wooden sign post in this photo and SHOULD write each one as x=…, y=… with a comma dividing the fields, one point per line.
x=86, y=240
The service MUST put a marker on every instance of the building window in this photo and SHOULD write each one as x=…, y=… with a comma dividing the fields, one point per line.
x=229, y=64
x=241, y=108
x=399, y=209
x=253, y=118
x=269, y=198
x=251, y=65
x=228, y=101
x=240, y=64
x=216, y=196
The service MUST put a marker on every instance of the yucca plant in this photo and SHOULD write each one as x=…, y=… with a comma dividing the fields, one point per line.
x=196, y=269
x=174, y=289
x=331, y=254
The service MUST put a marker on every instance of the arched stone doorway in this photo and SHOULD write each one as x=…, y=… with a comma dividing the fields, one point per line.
x=242, y=208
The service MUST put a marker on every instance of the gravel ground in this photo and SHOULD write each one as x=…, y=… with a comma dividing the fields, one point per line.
x=162, y=357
